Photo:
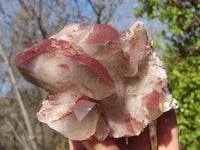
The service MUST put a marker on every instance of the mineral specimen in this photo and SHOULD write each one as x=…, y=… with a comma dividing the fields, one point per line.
x=100, y=83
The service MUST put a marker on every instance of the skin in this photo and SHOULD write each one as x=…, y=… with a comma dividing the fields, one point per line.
x=167, y=138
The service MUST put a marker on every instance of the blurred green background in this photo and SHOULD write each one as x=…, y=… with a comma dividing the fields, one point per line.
x=173, y=25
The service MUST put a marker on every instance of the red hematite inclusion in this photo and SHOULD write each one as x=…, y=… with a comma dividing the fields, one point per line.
x=101, y=83
x=95, y=66
x=65, y=66
x=103, y=33
x=154, y=100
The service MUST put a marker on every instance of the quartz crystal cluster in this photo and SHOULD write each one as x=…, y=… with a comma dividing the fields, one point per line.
x=100, y=83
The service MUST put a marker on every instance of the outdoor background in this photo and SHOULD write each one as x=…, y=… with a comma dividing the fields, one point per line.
x=174, y=25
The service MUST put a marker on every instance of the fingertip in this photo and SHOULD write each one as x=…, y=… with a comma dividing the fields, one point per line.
x=167, y=131
x=94, y=144
x=76, y=145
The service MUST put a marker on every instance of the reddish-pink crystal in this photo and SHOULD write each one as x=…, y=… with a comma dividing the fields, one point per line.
x=101, y=83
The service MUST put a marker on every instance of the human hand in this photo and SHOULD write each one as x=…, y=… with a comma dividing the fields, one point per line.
x=167, y=138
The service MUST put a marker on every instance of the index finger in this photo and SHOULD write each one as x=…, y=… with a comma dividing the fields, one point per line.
x=167, y=131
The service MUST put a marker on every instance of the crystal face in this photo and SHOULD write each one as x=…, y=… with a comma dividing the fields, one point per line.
x=100, y=83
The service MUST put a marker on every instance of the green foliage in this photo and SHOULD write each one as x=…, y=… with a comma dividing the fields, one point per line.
x=184, y=82
x=182, y=60
x=182, y=19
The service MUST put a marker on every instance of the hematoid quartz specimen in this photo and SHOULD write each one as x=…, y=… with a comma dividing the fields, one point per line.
x=100, y=83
